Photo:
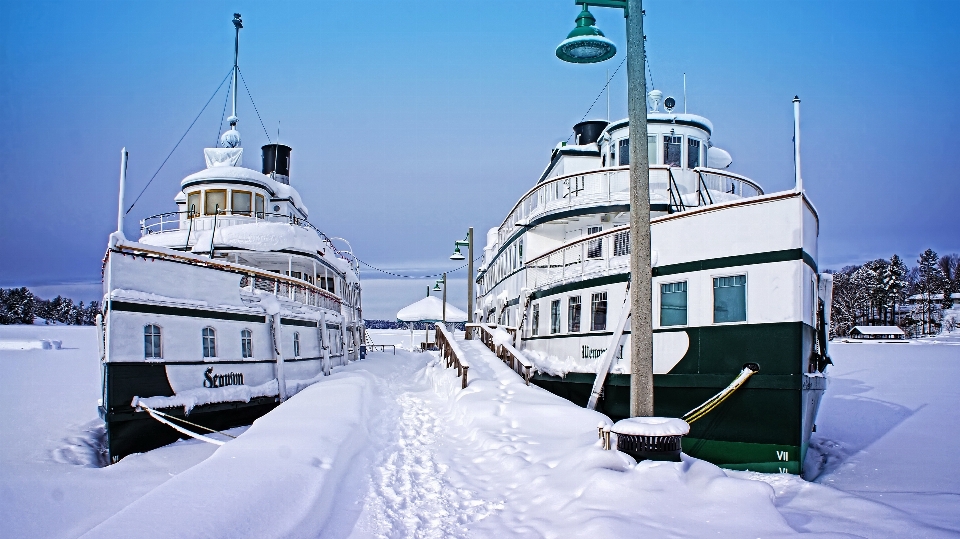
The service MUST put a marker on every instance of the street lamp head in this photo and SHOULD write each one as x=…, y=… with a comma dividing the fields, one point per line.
x=586, y=44
x=457, y=255
x=436, y=286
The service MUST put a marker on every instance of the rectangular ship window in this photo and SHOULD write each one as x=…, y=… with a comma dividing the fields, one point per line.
x=573, y=315
x=215, y=200
x=598, y=311
x=730, y=299
x=193, y=204
x=555, y=316
x=693, y=153
x=240, y=202
x=259, y=206
x=594, y=247
x=672, y=150
x=621, y=243
x=673, y=304
x=652, y=149
x=535, y=319
x=625, y=151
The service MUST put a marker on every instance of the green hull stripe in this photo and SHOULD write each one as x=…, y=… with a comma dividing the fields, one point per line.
x=713, y=381
x=767, y=458
x=579, y=285
x=739, y=260
x=183, y=311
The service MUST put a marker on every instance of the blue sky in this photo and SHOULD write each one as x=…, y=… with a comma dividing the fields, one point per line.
x=411, y=121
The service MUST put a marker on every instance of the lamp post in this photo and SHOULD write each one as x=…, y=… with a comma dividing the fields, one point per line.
x=457, y=255
x=587, y=44
x=436, y=288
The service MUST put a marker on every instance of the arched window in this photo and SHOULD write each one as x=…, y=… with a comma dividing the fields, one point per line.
x=296, y=344
x=151, y=342
x=246, y=343
x=209, y=342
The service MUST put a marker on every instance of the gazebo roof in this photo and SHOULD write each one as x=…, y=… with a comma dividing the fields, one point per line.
x=430, y=309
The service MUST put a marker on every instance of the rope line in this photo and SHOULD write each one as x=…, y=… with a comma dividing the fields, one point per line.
x=154, y=414
x=601, y=93
x=254, y=105
x=182, y=420
x=222, y=114
x=178, y=142
x=717, y=400
x=415, y=276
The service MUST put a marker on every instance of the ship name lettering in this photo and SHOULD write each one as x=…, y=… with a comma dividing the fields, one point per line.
x=221, y=380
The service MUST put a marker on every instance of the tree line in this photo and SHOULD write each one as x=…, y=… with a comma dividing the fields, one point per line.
x=889, y=293
x=21, y=306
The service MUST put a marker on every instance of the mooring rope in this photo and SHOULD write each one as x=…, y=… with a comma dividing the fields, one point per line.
x=160, y=416
x=718, y=399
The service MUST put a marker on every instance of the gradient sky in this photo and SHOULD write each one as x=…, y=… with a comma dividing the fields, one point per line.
x=411, y=121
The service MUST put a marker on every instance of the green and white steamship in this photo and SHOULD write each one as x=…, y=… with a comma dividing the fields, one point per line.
x=735, y=283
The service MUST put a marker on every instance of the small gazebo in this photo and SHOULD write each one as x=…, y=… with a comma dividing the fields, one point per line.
x=429, y=309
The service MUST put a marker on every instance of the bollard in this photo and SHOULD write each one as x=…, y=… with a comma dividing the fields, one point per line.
x=464, y=384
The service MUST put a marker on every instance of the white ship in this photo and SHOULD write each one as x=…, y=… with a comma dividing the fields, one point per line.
x=223, y=308
x=735, y=286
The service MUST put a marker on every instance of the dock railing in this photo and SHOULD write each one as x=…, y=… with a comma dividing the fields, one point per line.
x=503, y=350
x=451, y=353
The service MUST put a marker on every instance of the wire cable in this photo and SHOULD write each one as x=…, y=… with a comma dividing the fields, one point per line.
x=601, y=93
x=178, y=142
x=222, y=114
x=254, y=106
x=415, y=276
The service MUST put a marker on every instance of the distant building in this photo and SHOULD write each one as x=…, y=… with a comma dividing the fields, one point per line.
x=877, y=332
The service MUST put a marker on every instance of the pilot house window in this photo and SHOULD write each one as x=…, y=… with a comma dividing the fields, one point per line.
x=672, y=150
x=259, y=207
x=193, y=204
x=215, y=201
x=673, y=304
x=240, y=201
x=624, y=151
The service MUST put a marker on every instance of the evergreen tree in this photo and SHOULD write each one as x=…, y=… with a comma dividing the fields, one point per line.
x=930, y=282
x=19, y=306
x=895, y=286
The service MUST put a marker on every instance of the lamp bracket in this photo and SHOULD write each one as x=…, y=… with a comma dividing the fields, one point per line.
x=622, y=4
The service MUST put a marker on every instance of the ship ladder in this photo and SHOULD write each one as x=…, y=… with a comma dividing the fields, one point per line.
x=748, y=370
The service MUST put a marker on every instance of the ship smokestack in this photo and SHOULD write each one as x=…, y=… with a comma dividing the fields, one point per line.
x=276, y=162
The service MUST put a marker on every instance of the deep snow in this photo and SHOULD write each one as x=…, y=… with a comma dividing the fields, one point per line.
x=391, y=447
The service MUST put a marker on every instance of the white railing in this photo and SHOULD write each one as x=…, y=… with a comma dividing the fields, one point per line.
x=613, y=185
x=595, y=254
x=306, y=294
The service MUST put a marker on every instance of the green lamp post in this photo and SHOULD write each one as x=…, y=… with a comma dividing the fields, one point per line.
x=457, y=255
x=587, y=44
x=436, y=288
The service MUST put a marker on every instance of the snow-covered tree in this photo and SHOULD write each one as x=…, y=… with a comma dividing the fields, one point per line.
x=930, y=282
x=895, y=286
x=18, y=306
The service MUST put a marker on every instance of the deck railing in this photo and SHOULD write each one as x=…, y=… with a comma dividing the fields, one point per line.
x=306, y=294
x=503, y=350
x=451, y=353
x=597, y=253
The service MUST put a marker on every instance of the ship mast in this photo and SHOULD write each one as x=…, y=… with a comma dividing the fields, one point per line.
x=238, y=24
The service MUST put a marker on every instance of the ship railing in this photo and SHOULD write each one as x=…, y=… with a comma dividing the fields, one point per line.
x=305, y=293
x=612, y=185
x=600, y=253
x=712, y=182
x=194, y=221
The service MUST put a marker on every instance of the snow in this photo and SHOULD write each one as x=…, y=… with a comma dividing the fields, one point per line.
x=879, y=330
x=392, y=447
x=651, y=426
x=260, y=236
x=228, y=173
x=430, y=309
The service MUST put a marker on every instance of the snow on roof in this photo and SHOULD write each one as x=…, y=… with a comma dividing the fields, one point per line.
x=651, y=426
x=262, y=236
x=879, y=330
x=228, y=173
x=430, y=309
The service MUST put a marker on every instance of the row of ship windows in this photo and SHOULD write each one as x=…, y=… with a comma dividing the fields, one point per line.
x=153, y=342
x=729, y=305
x=672, y=155
x=214, y=202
